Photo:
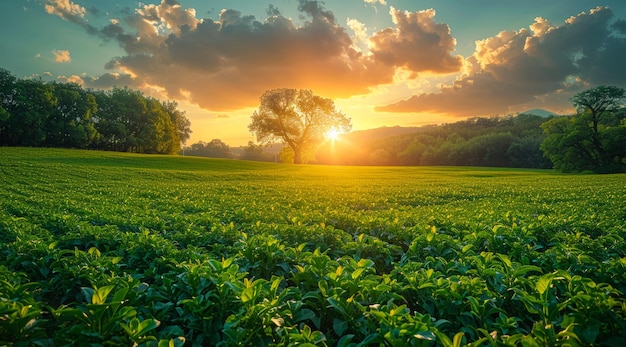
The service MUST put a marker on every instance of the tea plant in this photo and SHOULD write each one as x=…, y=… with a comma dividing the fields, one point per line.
x=113, y=249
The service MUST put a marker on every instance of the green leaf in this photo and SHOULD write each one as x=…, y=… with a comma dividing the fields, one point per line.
x=367, y=263
x=345, y=340
x=177, y=342
x=425, y=335
x=339, y=326
x=446, y=342
x=147, y=325
x=524, y=269
x=334, y=303
x=303, y=314
x=248, y=294
x=317, y=337
x=227, y=262
x=357, y=273
x=100, y=294
x=466, y=248
x=543, y=283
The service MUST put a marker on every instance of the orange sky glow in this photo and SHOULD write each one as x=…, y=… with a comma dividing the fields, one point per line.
x=384, y=63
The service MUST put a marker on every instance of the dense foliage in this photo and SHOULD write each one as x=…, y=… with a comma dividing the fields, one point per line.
x=38, y=114
x=512, y=141
x=216, y=148
x=298, y=118
x=594, y=139
x=113, y=249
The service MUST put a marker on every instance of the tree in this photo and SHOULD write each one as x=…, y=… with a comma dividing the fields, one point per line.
x=592, y=140
x=181, y=122
x=255, y=152
x=596, y=102
x=296, y=117
x=70, y=123
x=216, y=148
x=7, y=99
x=33, y=103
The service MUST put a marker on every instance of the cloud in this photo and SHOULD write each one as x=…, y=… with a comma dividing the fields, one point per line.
x=66, y=9
x=417, y=43
x=72, y=79
x=61, y=55
x=374, y=2
x=359, y=29
x=71, y=12
x=228, y=63
x=109, y=80
x=516, y=69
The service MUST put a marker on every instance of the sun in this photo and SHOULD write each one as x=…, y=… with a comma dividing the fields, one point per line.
x=332, y=134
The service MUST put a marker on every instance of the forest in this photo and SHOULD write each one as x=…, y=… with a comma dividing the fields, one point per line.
x=592, y=140
x=34, y=113
x=511, y=141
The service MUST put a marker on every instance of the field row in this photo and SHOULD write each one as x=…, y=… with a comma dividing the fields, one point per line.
x=114, y=249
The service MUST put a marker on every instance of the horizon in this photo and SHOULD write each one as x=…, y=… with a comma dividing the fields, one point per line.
x=461, y=60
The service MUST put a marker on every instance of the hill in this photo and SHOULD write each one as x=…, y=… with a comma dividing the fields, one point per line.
x=379, y=133
x=540, y=112
x=512, y=141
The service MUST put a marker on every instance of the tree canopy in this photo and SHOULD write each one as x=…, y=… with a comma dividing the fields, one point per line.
x=298, y=118
x=595, y=138
x=35, y=113
x=509, y=141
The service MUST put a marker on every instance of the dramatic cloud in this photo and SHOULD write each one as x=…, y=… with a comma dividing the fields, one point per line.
x=417, y=43
x=72, y=79
x=111, y=79
x=61, y=55
x=69, y=11
x=227, y=63
x=374, y=2
x=359, y=29
x=66, y=9
x=518, y=68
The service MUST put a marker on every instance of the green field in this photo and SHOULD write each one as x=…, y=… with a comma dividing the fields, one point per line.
x=118, y=249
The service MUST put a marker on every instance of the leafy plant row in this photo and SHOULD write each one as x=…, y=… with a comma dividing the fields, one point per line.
x=121, y=256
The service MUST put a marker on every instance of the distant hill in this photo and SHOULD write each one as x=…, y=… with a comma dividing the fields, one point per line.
x=540, y=112
x=494, y=141
x=380, y=133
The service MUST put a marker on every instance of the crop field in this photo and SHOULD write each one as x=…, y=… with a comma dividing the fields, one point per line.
x=112, y=249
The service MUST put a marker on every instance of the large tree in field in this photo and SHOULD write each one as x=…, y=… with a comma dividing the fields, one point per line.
x=592, y=140
x=296, y=117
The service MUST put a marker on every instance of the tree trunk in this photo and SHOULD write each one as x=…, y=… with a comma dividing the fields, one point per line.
x=297, y=156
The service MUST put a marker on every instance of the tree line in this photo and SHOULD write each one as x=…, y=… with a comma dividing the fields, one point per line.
x=511, y=141
x=217, y=148
x=50, y=114
x=593, y=140
x=38, y=114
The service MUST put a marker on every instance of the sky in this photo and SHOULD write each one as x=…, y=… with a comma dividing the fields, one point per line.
x=383, y=62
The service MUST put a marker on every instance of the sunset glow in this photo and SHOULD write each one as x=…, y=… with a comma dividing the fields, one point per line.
x=333, y=134
x=385, y=63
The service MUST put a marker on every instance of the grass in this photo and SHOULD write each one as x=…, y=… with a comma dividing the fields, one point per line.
x=321, y=254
